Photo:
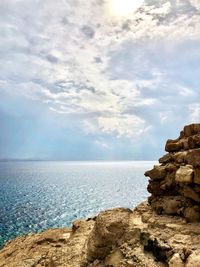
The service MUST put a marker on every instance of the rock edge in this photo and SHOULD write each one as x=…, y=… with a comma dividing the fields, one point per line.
x=115, y=238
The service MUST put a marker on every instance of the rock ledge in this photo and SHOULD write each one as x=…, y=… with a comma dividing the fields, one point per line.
x=115, y=238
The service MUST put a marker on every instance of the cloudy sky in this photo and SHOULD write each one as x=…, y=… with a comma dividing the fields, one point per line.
x=97, y=79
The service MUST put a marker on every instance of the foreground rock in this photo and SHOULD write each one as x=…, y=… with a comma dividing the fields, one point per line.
x=115, y=238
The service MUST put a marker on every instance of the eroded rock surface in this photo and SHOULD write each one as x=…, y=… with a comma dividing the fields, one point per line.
x=175, y=183
x=115, y=238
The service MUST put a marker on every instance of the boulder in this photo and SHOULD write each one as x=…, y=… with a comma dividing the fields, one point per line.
x=184, y=174
x=114, y=258
x=157, y=173
x=172, y=205
x=176, y=261
x=188, y=192
x=197, y=176
x=166, y=158
x=171, y=167
x=155, y=188
x=191, y=142
x=179, y=157
x=185, y=143
x=193, y=260
x=191, y=129
x=170, y=179
x=196, y=140
x=193, y=157
x=110, y=226
x=188, y=130
x=192, y=214
x=173, y=145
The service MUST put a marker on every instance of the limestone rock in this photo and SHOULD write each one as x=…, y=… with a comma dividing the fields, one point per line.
x=188, y=192
x=192, y=214
x=115, y=238
x=108, y=230
x=197, y=176
x=194, y=141
x=193, y=260
x=155, y=188
x=191, y=129
x=170, y=179
x=173, y=145
x=180, y=157
x=193, y=157
x=176, y=261
x=184, y=174
x=114, y=258
x=172, y=205
x=170, y=167
x=166, y=158
x=158, y=172
x=180, y=177
x=185, y=144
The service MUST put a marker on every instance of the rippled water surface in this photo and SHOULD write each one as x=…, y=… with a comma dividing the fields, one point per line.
x=39, y=195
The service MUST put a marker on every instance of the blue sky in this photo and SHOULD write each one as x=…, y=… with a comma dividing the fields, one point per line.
x=80, y=81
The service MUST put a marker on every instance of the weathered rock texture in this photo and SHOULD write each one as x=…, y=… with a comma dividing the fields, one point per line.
x=175, y=183
x=152, y=235
x=115, y=238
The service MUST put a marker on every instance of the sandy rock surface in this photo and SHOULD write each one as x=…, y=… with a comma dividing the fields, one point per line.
x=115, y=238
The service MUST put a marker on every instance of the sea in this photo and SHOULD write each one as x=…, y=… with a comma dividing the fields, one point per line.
x=38, y=195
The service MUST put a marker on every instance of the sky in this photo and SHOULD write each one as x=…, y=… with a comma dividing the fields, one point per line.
x=97, y=79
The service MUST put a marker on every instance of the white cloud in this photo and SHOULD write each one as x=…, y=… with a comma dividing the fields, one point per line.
x=186, y=92
x=128, y=126
x=195, y=3
x=167, y=117
x=194, y=111
x=90, y=126
x=49, y=53
x=102, y=144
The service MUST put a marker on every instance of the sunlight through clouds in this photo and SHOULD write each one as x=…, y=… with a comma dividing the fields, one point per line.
x=124, y=7
x=112, y=68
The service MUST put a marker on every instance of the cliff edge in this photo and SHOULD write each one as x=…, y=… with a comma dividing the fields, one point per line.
x=165, y=231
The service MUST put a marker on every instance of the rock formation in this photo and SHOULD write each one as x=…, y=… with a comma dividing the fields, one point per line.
x=115, y=238
x=175, y=183
x=152, y=235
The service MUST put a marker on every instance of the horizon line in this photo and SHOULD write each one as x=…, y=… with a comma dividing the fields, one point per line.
x=74, y=160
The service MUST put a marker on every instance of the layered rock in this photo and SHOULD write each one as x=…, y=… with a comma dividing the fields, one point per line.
x=175, y=183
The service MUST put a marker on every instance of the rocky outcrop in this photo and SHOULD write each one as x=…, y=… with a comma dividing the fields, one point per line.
x=175, y=183
x=115, y=238
x=155, y=234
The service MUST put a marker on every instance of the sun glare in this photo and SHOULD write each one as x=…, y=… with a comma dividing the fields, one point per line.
x=124, y=7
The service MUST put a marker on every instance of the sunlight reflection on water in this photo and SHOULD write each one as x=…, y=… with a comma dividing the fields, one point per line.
x=35, y=196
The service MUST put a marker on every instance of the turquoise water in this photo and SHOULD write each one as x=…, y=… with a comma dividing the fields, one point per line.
x=35, y=196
